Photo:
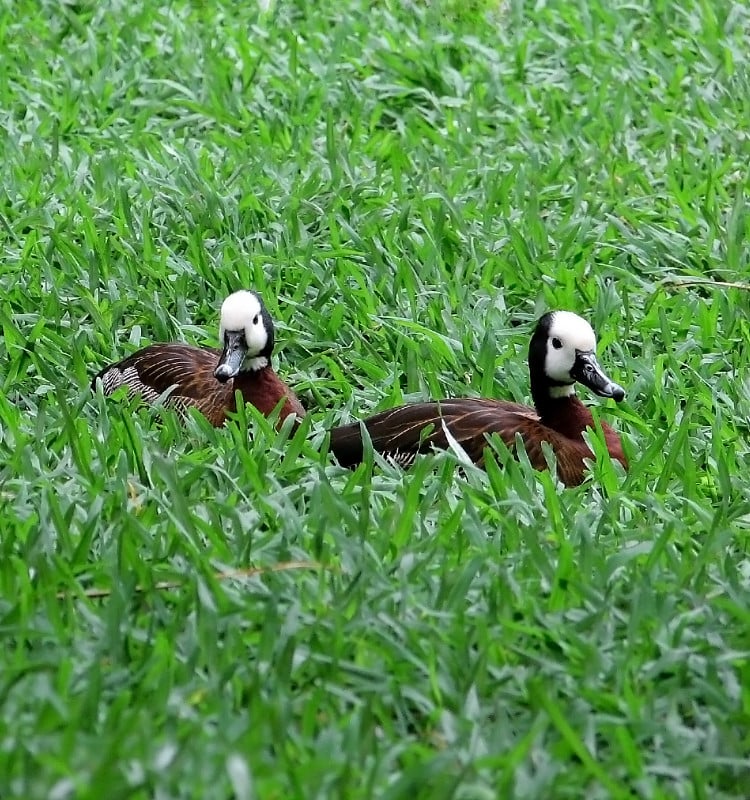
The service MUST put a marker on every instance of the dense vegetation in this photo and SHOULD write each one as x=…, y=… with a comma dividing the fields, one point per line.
x=409, y=186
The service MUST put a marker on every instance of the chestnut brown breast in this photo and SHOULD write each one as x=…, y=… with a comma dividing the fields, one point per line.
x=264, y=389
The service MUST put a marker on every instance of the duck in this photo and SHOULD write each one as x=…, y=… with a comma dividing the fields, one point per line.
x=207, y=378
x=562, y=353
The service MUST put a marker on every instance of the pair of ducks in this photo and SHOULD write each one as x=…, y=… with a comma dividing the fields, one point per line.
x=562, y=352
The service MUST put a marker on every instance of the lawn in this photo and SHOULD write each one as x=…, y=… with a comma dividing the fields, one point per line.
x=198, y=613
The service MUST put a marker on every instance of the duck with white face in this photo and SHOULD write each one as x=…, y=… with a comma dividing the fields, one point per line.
x=247, y=333
x=561, y=353
x=184, y=376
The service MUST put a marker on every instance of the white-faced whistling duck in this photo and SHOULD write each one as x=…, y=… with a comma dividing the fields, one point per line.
x=207, y=378
x=562, y=351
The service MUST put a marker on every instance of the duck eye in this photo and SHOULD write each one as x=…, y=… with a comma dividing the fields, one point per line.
x=556, y=343
x=255, y=320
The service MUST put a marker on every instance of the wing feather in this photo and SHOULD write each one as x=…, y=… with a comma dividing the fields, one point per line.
x=185, y=370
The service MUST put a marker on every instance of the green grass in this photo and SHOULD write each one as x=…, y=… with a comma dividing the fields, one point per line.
x=409, y=186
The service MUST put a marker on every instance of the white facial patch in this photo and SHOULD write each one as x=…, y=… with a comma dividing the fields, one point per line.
x=241, y=311
x=568, y=333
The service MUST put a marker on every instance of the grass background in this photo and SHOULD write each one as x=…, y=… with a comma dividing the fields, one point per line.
x=409, y=185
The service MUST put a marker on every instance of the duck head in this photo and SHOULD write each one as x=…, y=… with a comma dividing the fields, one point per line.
x=563, y=351
x=247, y=335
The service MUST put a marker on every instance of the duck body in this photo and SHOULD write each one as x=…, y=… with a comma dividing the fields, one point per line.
x=404, y=432
x=561, y=353
x=207, y=378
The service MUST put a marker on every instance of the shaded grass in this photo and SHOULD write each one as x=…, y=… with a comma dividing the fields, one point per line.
x=409, y=188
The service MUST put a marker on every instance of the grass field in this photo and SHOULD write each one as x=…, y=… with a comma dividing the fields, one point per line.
x=409, y=185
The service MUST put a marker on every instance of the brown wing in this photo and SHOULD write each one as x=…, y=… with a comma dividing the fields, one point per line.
x=402, y=433
x=418, y=427
x=186, y=370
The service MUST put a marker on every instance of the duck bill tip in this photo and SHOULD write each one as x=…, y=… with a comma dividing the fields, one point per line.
x=224, y=372
x=231, y=358
x=588, y=372
x=612, y=390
